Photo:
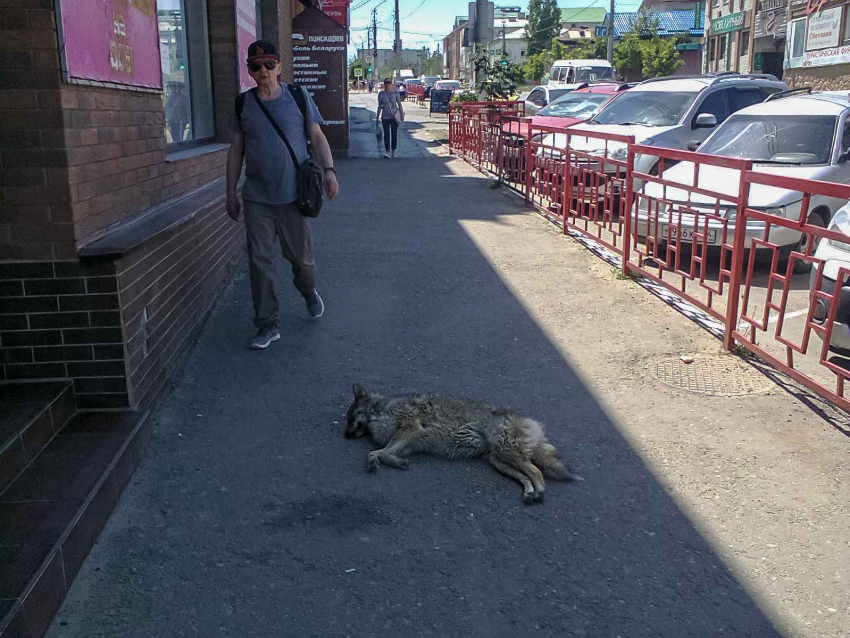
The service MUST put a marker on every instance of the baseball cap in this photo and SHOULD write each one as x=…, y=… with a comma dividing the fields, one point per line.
x=261, y=50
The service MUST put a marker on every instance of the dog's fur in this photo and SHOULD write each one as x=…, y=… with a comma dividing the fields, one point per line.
x=455, y=429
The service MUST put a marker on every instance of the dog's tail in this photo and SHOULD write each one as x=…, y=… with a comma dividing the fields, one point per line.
x=545, y=456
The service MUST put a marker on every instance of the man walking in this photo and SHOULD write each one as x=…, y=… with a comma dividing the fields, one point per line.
x=270, y=189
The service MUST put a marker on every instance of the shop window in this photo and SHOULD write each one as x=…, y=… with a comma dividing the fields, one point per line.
x=796, y=45
x=846, y=38
x=185, y=56
x=712, y=49
x=745, y=43
x=721, y=45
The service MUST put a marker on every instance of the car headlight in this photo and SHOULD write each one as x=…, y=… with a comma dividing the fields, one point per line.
x=840, y=223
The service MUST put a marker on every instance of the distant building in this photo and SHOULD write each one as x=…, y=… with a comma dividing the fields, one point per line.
x=687, y=24
x=409, y=58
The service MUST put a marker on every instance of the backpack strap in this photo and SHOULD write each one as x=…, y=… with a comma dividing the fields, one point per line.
x=240, y=105
x=298, y=94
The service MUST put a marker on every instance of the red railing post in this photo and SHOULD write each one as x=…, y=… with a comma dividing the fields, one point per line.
x=451, y=130
x=630, y=195
x=528, y=160
x=738, y=241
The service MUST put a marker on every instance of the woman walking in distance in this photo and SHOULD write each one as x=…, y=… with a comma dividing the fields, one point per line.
x=391, y=114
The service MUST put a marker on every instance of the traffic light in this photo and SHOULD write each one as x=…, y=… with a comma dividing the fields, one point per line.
x=369, y=69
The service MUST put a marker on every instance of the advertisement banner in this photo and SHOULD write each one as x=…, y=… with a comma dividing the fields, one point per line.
x=825, y=57
x=336, y=9
x=111, y=41
x=727, y=23
x=773, y=24
x=824, y=29
x=246, y=33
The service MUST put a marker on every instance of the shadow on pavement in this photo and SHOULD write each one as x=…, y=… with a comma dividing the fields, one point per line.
x=253, y=516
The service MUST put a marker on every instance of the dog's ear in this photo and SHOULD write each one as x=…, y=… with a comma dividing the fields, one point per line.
x=359, y=391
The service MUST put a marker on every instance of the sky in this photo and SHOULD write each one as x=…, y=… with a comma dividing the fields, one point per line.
x=427, y=22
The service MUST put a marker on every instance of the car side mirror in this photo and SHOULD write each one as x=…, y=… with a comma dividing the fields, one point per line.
x=706, y=120
x=693, y=145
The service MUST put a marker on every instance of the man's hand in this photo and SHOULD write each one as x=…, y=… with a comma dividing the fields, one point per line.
x=234, y=210
x=331, y=185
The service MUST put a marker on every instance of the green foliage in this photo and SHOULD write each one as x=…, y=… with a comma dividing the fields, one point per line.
x=465, y=96
x=433, y=65
x=501, y=77
x=538, y=65
x=544, y=23
x=596, y=49
x=660, y=58
x=642, y=49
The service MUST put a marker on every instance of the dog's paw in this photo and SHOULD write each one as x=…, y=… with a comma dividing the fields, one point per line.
x=528, y=498
x=372, y=463
x=404, y=464
x=538, y=498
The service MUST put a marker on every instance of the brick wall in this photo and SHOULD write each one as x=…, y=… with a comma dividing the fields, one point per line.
x=167, y=287
x=62, y=319
x=35, y=216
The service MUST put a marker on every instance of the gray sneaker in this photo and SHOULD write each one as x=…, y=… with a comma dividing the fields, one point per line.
x=315, y=305
x=264, y=337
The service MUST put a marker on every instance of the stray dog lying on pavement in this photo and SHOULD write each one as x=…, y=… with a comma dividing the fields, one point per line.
x=455, y=429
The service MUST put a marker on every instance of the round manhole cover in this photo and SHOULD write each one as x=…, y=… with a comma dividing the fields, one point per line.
x=719, y=376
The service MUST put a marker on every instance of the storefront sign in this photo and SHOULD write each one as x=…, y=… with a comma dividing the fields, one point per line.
x=725, y=24
x=825, y=57
x=771, y=19
x=758, y=61
x=336, y=9
x=246, y=33
x=319, y=65
x=111, y=41
x=824, y=29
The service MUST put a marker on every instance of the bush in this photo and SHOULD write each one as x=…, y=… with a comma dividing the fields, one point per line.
x=465, y=96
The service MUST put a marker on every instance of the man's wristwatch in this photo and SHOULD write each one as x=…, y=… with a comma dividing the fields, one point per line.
x=330, y=168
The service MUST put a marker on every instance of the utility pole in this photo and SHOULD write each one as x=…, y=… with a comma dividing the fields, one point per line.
x=479, y=33
x=397, y=42
x=504, y=44
x=375, y=41
x=611, y=33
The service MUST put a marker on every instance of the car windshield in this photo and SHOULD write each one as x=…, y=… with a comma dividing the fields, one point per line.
x=578, y=105
x=651, y=108
x=591, y=73
x=430, y=81
x=777, y=139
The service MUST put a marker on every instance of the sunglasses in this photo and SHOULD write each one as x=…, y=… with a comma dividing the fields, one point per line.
x=256, y=66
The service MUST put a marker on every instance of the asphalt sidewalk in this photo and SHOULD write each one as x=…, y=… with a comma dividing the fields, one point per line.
x=251, y=515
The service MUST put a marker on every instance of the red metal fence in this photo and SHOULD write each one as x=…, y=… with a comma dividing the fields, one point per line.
x=690, y=223
x=415, y=93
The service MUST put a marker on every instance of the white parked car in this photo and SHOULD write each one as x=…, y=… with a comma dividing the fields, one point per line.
x=668, y=112
x=805, y=136
x=541, y=96
x=836, y=255
x=447, y=85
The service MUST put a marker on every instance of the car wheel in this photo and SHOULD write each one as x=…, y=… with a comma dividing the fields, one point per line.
x=816, y=218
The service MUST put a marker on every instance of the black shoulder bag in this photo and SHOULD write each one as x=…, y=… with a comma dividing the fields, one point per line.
x=310, y=178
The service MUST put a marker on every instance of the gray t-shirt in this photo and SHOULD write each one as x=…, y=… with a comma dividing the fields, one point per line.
x=269, y=172
x=388, y=104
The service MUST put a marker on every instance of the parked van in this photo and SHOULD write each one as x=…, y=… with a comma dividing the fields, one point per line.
x=573, y=71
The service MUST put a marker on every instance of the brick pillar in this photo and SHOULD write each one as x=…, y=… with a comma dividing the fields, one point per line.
x=35, y=214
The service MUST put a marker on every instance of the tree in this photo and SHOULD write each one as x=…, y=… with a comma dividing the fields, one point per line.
x=596, y=49
x=357, y=65
x=538, y=65
x=544, y=23
x=660, y=58
x=643, y=50
x=502, y=76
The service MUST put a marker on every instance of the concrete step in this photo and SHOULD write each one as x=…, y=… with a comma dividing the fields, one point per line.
x=31, y=413
x=53, y=512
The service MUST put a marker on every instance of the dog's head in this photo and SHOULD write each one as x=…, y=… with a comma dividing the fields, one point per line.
x=358, y=413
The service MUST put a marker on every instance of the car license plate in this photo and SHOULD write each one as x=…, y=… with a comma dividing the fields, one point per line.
x=686, y=233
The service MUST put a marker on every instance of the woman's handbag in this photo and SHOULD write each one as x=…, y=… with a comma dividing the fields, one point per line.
x=310, y=179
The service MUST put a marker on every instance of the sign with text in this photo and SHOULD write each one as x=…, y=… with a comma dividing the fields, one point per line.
x=246, y=33
x=111, y=41
x=336, y=9
x=319, y=65
x=771, y=19
x=727, y=23
x=824, y=29
x=440, y=101
x=825, y=57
